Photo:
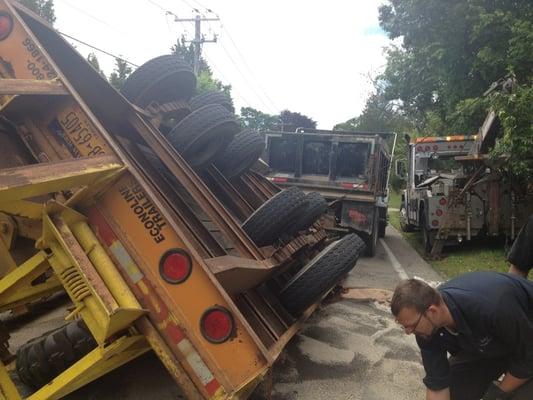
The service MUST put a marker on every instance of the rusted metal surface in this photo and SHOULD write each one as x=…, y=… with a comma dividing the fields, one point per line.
x=85, y=265
x=31, y=87
x=203, y=240
x=234, y=199
x=283, y=254
x=32, y=180
x=201, y=194
x=170, y=362
x=494, y=212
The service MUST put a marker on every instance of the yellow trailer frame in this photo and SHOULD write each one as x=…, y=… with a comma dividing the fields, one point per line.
x=101, y=221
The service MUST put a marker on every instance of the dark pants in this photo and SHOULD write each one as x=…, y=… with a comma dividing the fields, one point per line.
x=471, y=376
x=521, y=253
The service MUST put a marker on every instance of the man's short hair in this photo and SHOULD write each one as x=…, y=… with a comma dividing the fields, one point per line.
x=414, y=293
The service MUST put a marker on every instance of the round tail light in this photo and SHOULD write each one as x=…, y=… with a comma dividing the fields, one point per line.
x=442, y=201
x=175, y=266
x=435, y=222
x=217, y=325
x=438, y=212
x=6, y=25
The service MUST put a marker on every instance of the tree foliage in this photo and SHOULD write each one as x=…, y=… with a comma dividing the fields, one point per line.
x=118, y=77
x=451, y=52
x=44, y=8
x=293, y=120
x=93, y=60
x=258, y=120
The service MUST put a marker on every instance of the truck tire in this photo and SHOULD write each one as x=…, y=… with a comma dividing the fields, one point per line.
x=316, y=206
x=427, y=240
x=162, y=79
x=241, y=154
x=321, y=274
x=372, y=239
x=204, y=133
x=404, y=225
x=211, y=97
x=42, y=359
x=382, y=229
x=270, y=220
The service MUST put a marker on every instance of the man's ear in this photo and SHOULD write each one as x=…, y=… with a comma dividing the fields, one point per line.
x=433, y=311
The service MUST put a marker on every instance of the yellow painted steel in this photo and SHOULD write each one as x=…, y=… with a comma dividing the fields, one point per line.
x=16, y=288
x=95, y=364
x=100, y=319
x=124, y=205
x=8, y=391
x=105, y=267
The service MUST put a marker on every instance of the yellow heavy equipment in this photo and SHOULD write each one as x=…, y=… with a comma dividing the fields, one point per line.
x=150, y=260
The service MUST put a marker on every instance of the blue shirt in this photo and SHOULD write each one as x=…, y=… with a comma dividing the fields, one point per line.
x=493, y=313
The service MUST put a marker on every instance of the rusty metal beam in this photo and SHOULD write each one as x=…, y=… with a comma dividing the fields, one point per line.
x=35, y=180
x=31, y=87
x=198, y=190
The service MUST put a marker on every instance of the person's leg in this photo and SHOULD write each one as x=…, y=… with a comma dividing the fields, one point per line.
x=471, y=376
x=521, y=254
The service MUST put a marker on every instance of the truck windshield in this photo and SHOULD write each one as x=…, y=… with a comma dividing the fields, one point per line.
x=438, y=165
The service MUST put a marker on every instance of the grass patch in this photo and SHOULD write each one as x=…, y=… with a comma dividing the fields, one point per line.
x=481, y=255
x=395, y=198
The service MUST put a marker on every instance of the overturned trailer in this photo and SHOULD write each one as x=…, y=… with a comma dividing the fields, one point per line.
x=154, y=255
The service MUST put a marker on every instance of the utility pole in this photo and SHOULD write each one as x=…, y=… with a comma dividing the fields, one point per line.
x=199, y=39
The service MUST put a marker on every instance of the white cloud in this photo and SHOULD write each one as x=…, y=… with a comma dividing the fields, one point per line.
x=311, y=56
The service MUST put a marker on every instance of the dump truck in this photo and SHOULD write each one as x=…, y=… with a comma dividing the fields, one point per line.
x=127, y=204
x=455, y=194
x=350, y=169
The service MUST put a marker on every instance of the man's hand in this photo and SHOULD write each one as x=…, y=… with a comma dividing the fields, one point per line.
x=495, y=393
x=443, y=394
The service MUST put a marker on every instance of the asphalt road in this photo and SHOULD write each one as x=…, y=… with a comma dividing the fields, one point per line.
x=348, y=349
x=353, y=349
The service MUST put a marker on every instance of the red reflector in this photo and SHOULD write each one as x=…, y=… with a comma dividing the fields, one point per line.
x=217, y=325
x=347, y=185
x=428, y=148
x=434, y=222
x=435, y=148
x=419, y=148
x=277, y=179
x=438, y=212
x=175, y=266
x=6, y=25
x=442, y=201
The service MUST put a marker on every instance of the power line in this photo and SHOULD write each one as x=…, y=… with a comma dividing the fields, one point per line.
x=98, y=49
x=249, y=69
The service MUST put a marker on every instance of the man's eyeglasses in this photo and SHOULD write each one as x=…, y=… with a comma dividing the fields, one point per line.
x=412, y=327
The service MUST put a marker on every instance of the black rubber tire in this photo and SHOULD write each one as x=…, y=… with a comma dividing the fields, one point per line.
x=270, y=220
x=243, y=151
x=404, y=225
x=321, y=274
x=202, y=134
x=382, y=229
x=212, y=97
x=372, y=239
x=43, y=358
x=162, y=79
x=316, y=206
x=427, y=240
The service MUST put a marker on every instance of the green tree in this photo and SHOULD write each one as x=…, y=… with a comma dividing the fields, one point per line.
x=258, y=120
x=451, y=52
x=44, y=8
x=118, y=77
x=294, y=120
x=93, y=60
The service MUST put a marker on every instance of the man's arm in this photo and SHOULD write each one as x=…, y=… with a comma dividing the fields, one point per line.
x=443, y=394
x=510, y=383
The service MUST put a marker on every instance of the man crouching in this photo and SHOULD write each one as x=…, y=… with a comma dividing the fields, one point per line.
x=484, y=320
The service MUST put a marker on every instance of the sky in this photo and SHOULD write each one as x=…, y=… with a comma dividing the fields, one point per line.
x=313, y=57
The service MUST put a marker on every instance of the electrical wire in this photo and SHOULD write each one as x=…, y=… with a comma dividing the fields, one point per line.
x=97, y=49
